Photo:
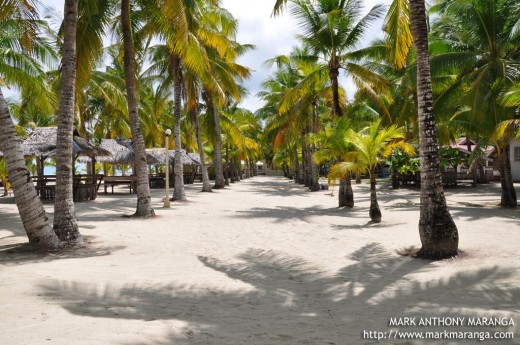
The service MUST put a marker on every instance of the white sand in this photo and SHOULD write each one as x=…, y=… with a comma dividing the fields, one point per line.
x=262, y=262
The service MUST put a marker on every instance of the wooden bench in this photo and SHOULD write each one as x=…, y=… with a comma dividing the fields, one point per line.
x=130, y=181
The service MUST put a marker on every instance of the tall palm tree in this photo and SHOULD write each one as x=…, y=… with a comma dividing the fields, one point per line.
x=144, y=200
x=65, y=221
x=19, y=66
x=332, y=30
x=437, y=230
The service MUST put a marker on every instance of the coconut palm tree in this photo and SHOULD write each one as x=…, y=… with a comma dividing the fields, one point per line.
x=144, y=200
x=65, y=221
x=21, y=48
x=438, y=232
x=331, y=30
x=371, y=145
x=483, y=53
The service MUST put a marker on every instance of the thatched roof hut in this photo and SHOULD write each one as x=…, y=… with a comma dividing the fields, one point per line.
x=122, y=152
x=158, y=156
x=42, y=143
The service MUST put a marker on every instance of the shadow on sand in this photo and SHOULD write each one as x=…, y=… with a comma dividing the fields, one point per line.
x=290, y=301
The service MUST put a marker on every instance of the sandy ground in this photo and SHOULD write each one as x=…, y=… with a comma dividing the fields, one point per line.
x=262, y=262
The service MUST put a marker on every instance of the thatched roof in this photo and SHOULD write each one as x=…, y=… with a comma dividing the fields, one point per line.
x=42, y=143
x=122, y=152
x=158, y=156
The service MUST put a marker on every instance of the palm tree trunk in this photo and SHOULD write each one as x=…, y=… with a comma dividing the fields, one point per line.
x=508, y=197
x=178, y=191
x=333, y=75
x=228, y=169
x=144, y=200
x=314, y=181
x=345, y=193
x=219, y=173
x=297, y=174
x=375, y=211
x=304, y=161
x=206, y=187
x=438, y=232
x=32, y=213
x=65, y=222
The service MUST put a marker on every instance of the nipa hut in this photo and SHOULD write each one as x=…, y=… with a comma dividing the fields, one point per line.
x=42, y=145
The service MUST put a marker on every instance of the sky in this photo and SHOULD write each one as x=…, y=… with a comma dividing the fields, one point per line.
x=271, y=36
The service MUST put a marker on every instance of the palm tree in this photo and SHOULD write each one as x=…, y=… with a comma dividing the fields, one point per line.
x=144, y=200
x=65, y=221
x=438, y=232
x=334, y=148
x=332, y=29
x=21, y=48
x=371, y=145
x=483, y=54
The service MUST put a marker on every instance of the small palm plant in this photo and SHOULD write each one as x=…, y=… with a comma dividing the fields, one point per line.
x=370, y=146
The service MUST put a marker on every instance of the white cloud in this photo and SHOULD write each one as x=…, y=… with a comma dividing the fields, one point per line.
x=273, y=36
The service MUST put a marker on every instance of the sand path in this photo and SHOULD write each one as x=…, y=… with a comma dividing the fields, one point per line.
x=262, y=262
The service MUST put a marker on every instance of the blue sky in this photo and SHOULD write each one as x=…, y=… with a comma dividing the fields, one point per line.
x=271, y=36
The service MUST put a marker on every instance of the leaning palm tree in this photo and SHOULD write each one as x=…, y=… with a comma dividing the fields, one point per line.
x=65, y=221
x=144, y=200
x=371, y=145
x=19, y=66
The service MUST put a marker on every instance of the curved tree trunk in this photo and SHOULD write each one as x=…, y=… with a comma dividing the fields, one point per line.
x=32, y=213
x=65, y=222
x=375, y=211
x=439, y=236
x=178, y=191
x=219, y=171
x=144, y=200
x=206, y=187
x=508, y=197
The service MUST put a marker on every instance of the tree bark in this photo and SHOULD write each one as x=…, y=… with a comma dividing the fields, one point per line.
x=303, y=176
x=144, y=201
x=375, y=211
x=33, y=215
x=219, y=171
x=206, y=187
x=314, y=180
x=178, y=191
x=297, y=173
x=333, y=75
x=438, y=232
x=345, y=193
x=65, y=221
x=508, y=197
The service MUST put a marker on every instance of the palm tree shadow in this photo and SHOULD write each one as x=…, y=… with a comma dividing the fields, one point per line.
x=287, y=300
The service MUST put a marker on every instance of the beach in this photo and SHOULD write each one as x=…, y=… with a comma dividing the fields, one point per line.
x=263, y=261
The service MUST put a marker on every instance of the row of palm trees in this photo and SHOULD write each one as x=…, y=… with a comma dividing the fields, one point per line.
x=467, y=69
x=174, y=65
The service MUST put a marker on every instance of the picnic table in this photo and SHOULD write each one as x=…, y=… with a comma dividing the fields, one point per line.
x=84, y=187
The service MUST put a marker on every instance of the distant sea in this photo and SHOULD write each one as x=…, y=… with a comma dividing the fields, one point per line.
x=80, y=168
